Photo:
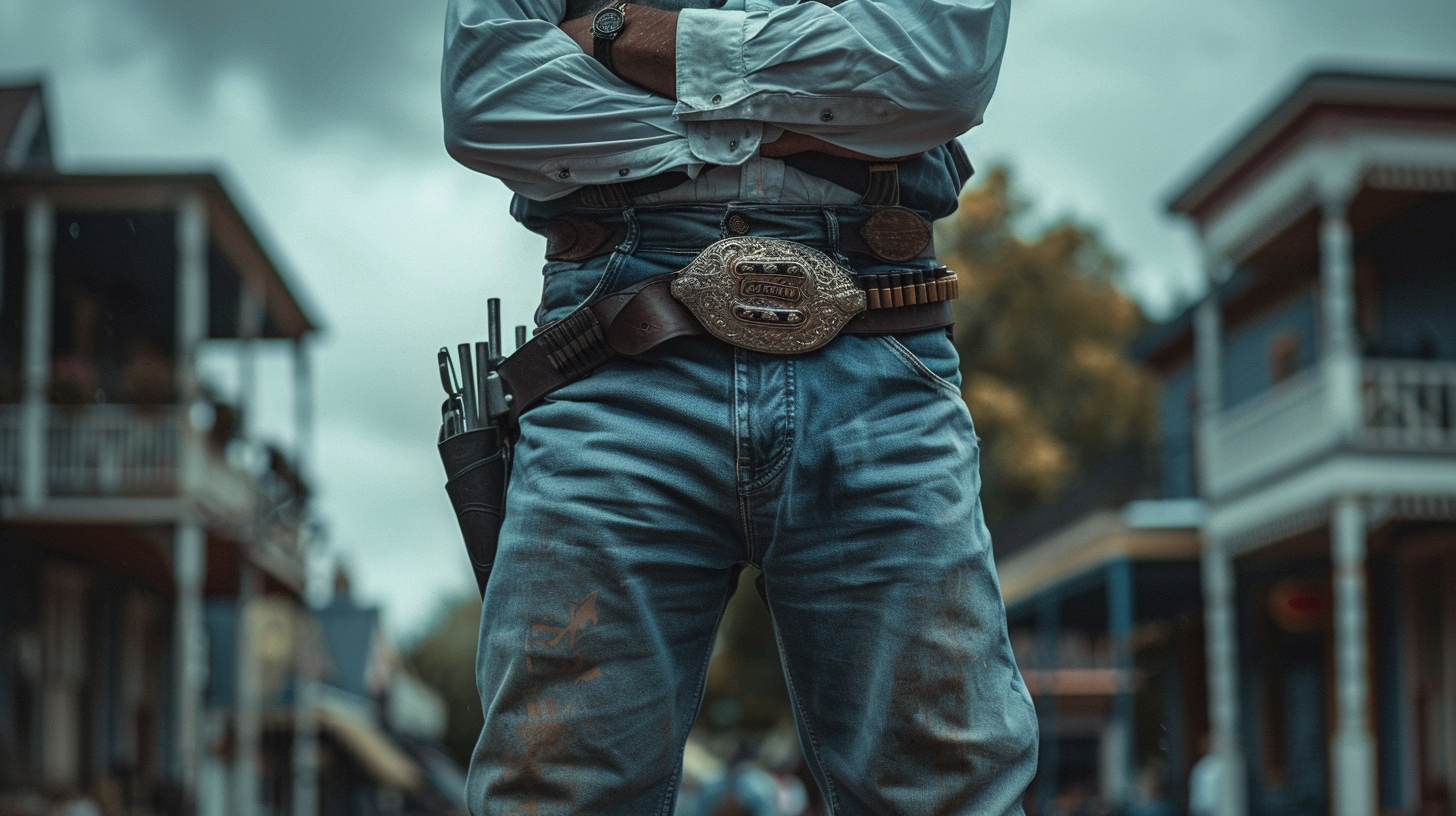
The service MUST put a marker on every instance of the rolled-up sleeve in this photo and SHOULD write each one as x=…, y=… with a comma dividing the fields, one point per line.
x=884, y=77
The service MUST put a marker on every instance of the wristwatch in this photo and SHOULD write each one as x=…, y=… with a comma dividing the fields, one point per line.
x=606, y=25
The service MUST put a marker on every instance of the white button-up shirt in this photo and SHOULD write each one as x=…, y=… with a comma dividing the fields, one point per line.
x=525, y=104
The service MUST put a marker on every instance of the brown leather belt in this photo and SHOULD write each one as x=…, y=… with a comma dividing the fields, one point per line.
x=763, y=294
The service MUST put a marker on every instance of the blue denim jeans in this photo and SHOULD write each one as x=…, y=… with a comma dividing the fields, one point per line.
x=848, y=475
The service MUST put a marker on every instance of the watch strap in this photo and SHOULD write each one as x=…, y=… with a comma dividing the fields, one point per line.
x=602, y=50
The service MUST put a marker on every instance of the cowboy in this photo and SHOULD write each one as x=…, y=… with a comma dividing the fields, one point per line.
x=743, y=359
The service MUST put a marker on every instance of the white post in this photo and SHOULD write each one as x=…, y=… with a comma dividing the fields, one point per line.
x=1208, y=357
x=248, y=712
x=1223, y=667
x=250, y=319
x=302, y=407
x=190, y=550
x=191, y=291
x=1337, y=302
x=39, y=244
x=189, y=566
x=305, y=736
x=1353, y=751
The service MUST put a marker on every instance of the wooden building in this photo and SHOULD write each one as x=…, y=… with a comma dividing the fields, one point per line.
x=1324, y=364
x=1280, y=589
x=131, y=492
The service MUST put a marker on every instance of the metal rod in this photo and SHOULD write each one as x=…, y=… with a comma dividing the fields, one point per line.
x=468, y=388
x=483, y=359
x=520, y=336
x=493, y=326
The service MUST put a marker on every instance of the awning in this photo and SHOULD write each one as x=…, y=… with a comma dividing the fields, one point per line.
x=376, y=752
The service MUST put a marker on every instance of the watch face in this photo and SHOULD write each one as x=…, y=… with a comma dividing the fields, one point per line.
x=608, y=22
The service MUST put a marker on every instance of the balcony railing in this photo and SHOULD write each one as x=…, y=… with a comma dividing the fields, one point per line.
x=1287, y=424
x=113, y=450
x=98, y=450
x=1408, y=406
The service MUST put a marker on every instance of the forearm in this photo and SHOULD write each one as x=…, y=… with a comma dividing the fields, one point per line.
x=885, y=77
x=645, y=54
x=521, y=102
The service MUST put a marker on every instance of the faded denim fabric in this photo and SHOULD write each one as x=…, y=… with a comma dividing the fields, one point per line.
x=849, y=475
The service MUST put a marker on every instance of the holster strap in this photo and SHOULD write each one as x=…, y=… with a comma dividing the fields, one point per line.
x=640, y=317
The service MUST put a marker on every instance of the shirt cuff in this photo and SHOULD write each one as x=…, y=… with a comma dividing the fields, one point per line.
x=730, y=141
x=710, y=72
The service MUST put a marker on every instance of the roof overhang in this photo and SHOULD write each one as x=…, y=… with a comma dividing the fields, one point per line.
x=1094, y=540
x=228, y=228
x=1320, y=106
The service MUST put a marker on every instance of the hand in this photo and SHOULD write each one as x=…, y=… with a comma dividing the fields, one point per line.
x=790, y=143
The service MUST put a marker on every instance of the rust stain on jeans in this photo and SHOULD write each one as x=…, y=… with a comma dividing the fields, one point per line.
x=546, y=742
x=583, y=611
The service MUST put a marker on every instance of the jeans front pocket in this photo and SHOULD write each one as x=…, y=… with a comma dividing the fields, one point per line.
x=931, y=354
x=566, y=285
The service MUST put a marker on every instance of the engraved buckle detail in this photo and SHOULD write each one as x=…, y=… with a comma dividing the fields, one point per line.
x=768, y=294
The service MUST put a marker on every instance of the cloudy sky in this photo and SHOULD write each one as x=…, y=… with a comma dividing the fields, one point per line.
x=323, y=116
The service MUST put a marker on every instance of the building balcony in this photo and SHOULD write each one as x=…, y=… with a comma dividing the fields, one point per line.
x=1401, y=407
x=126, y=463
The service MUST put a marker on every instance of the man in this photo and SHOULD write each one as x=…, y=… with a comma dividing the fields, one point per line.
x=637, y=136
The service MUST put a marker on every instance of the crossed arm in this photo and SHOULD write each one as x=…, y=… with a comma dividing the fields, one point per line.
x=524, y=102
x=645, y=54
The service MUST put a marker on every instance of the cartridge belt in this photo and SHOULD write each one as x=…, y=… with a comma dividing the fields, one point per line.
x=764, y=294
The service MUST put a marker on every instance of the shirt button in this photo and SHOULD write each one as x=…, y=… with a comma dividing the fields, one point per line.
x=826, y=115
x=716, y=99
x=565, y=173
x=624, y=171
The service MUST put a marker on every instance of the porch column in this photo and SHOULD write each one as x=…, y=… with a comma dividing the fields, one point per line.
x=305, y=728
x=1208, y=359
x=250, y=321
x=247, y=720
x=1119, y=628
x=1223, y=688
x=1337, y=304
x=302, y=406
x=189, y=566
x=1352, y=752
x=191, y=292
x=40, y=220
x=1048, y=639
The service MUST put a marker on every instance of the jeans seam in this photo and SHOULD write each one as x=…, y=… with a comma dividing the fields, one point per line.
x=919, y=366
x=671, y=793
x=616, y=260
x=781, y=459
x=829, y=789
x=745, y=519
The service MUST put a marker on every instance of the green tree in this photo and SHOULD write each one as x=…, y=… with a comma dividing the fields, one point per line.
x=1042, y=332
x=445, y=660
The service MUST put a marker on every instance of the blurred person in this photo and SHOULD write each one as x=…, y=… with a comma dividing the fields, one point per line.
x=792, y=157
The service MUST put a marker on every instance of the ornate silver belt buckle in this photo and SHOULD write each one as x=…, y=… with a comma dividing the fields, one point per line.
x=768, y=294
